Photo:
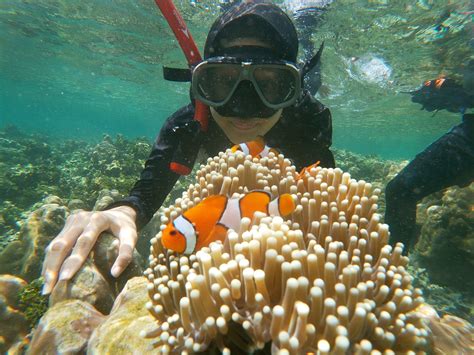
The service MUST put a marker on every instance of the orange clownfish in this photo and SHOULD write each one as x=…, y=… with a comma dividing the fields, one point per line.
x=209, y=220
x=256, y=148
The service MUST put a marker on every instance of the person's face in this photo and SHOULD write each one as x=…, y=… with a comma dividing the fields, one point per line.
x=240, y=130
x=244, y=130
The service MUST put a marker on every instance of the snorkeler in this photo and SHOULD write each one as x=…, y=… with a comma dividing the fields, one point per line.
x=307, y=15
x=446, y=162
x=250, y=81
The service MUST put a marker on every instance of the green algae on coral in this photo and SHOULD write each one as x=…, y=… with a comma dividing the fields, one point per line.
x=32, y=303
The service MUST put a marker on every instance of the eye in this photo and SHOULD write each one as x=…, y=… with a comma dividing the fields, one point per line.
x=173, y=232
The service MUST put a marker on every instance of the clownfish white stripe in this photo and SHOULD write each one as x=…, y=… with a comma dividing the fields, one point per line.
x=245, y=148
x=186, y=228
x=274, y=207
x=231, y=215
x=264, y=153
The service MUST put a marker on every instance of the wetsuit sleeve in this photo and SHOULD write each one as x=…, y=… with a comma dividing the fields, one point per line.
x=446, y=162
x=318, y=138
x=305, y=134
x=156, y=179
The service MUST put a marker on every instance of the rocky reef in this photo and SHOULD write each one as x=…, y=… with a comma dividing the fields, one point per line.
x=81, y=176
x=74, y=171
x=446, y=245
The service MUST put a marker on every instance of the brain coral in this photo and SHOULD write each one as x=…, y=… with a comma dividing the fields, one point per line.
x=323, y=280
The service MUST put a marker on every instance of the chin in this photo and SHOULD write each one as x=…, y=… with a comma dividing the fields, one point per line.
x=241, y=137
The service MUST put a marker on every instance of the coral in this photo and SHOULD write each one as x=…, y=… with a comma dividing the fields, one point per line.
x=65, y=328
x=119, y=333
x=10, y=287
x=27, y=160
x=13, y=323
x=24, y=256
x=32, y=303
x=10, y=222
x=69, y=169
x=93, y=282
x=445, y=300
x=111, y=164
x=323, y=280
x=446, y=245
x=369, y=168
x=105, y=198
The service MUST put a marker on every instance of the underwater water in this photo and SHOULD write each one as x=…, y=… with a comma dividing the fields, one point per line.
x=83, y=69
x=82, y=96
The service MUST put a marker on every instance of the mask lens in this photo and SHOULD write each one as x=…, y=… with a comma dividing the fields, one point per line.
x=215, y=82
x=277, y=85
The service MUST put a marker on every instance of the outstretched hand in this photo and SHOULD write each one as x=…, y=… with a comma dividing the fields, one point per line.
x=80, y=234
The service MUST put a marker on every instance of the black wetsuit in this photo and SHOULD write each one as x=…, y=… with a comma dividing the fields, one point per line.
x=446, y=162
x=303, y=134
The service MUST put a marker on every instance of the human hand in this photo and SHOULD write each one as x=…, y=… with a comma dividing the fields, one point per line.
x=80, y=234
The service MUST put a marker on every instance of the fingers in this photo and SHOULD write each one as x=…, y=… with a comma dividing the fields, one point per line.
x=83, y=247
x=80, y=235
x=128, y=240
x=81, y=231
x=57, y=251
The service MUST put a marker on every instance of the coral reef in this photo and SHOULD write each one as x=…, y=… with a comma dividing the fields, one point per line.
x=13, y=323
x=369, y=168
x=127, y=319
x=27, y=160
x=69, y=169
x=446, y=300
x=324, y=280
x=93, y=283
x=24, y=257
x=32, y=303
x=73, y=175
x=446, y=244
x=111, y=164
x=65, y=328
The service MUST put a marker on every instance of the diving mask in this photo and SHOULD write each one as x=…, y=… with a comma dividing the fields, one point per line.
x=276, y=82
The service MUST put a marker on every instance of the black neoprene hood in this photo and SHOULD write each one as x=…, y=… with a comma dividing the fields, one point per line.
x=265, y=22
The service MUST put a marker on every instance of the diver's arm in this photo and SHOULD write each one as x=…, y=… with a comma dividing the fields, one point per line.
x=156, y=179
x=68, y=251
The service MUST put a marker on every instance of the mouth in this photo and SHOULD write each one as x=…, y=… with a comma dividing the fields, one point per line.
x=244, y=125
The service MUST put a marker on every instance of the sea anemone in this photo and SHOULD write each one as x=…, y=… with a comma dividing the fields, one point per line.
x=322, y=280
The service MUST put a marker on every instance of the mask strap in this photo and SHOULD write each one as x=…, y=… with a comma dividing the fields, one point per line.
x=311, y=63
x=177, y=74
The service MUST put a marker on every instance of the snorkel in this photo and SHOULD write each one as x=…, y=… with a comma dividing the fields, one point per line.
x=181, y=161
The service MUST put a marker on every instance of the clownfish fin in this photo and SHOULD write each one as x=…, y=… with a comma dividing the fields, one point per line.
x=307, y=169
x=219, y=232
x=254, y=201
x=283, y=205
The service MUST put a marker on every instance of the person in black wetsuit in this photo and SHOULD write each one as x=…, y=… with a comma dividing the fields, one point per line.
x=446, y=162
x=251, y=83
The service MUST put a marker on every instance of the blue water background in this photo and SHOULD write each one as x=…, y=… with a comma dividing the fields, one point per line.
x=82, y=69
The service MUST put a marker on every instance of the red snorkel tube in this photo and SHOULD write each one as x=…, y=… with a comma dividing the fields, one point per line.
x=191, y=52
